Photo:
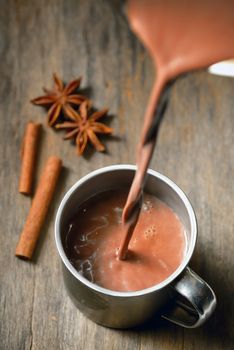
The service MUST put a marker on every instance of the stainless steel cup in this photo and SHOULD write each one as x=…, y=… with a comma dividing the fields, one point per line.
x=191, y=300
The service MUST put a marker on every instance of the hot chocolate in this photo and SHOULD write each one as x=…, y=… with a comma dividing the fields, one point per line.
x=180, y=36
x=94, y=233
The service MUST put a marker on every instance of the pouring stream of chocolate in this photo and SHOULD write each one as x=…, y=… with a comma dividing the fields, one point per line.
x=180, y=36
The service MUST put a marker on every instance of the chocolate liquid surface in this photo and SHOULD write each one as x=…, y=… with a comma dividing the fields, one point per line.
x=180, y=36
x=93, y=237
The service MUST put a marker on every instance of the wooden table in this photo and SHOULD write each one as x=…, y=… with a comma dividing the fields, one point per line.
x=195, y=148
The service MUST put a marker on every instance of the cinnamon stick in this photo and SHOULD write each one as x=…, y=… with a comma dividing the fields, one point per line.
x=29, y=152
x=39, y=208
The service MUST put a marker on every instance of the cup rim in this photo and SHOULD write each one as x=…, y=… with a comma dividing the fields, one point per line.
x=137, y=293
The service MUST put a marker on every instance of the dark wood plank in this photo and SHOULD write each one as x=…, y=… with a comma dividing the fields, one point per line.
x=195, y=148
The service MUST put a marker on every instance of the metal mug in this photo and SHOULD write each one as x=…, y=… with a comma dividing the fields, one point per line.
x=191, y=299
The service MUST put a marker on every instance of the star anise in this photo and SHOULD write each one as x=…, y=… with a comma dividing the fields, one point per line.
x=84, y=127
x=61, y=98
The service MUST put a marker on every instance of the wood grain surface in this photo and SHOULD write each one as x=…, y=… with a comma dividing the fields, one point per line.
x=195, y=149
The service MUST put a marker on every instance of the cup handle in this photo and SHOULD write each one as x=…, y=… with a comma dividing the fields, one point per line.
x=193, y=300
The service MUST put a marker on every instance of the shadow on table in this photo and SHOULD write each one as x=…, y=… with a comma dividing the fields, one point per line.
x=216, y=333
